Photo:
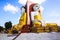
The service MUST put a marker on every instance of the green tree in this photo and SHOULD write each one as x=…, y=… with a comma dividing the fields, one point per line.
x=8, y=25
x=1, y=28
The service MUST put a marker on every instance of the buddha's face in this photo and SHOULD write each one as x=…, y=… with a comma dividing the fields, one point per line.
x=36, y=7
x=23, y=9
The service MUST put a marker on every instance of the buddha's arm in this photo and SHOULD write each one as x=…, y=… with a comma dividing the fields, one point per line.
x=22, y=20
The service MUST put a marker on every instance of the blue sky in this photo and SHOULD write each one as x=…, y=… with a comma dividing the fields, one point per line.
x=10, y=11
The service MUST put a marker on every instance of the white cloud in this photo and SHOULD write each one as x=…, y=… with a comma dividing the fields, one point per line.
x=38, y=1
x=11, y=8
x=23, y=2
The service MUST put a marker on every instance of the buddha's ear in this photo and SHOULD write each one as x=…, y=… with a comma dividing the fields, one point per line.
x=36, y=7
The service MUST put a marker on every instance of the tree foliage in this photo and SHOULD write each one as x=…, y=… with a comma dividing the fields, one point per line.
x=8, y=25
x=1, y=28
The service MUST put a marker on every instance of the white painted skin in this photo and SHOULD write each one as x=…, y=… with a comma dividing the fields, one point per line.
x=22, y=10
x=36, y=7
x=33, y=13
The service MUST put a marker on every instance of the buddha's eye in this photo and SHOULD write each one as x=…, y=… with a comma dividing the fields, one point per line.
x=36, y=6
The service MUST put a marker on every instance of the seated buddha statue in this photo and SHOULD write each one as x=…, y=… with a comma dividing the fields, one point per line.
x=36, y=16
